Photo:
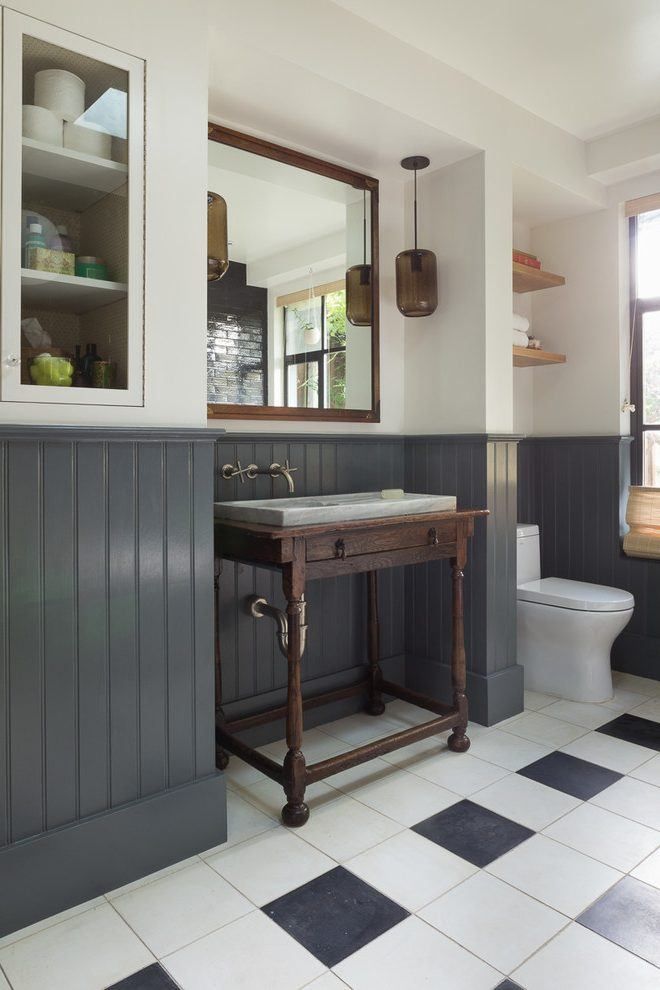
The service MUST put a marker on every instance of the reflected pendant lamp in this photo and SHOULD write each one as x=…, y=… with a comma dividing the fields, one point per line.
x=217, y=243
x=416, y=270
x=359, y=294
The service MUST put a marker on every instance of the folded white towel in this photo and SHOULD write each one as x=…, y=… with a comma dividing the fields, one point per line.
x=520, y=339
x=520, y=322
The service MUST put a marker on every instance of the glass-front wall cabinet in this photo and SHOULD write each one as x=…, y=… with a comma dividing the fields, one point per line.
x=72, y=239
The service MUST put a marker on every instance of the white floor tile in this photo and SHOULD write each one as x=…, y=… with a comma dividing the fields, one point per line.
x=151, y=877
x=534, y=700
x=649, y=870
x=609, y=838
x=270, y=865
x=459, y=772
x=505, y=750
x=606, y=751
x=317, y=745
x=649, y=709
x=411, y=955
x=269, y=798
x=239, y=773
x=623, y=700
x=633, y=799
x=345, y=828
x=631, y=682
x=54, y=919
x=565, y=879
x=403, y=714
x=578, y=959
x=410, y=870
x=3, y=983
x=362, y=728
x=580, y=713
x=526, y=801
x=90, y=951
x=243, y=822
x=184, y=906
x=649, y=771
x=405, y=797
x=409, y=756
x=498, y=923
x=327, y=982
x=541, y=728
x=250, y=953
x=364, y=773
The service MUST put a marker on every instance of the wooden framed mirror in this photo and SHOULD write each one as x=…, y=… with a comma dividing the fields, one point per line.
x=283, y=340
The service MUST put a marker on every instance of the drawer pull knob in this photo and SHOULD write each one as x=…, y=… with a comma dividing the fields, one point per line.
x=433, y=536
x=340, y=550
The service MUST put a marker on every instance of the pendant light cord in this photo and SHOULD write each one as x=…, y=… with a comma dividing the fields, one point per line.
x=364, y=226
x=415, y=209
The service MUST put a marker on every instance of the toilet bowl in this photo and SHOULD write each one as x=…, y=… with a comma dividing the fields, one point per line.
x=565, y=628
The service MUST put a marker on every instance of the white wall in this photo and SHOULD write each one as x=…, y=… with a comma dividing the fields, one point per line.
x=523, y=378
x=172, y=38
x=584, y=319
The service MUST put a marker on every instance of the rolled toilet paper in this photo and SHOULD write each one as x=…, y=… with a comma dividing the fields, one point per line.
x=520, y=339
x=60, y=91
x=79, y=137
x=43, y=125
x=120, y=150
x=520, y=322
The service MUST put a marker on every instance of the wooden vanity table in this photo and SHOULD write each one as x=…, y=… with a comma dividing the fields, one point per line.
x=311, y=552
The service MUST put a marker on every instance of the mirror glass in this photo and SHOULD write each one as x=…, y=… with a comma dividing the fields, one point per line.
x=278, y=333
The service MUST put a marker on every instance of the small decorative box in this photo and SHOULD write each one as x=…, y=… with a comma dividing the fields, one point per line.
x=50, y=260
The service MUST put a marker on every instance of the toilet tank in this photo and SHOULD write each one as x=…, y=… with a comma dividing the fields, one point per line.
x=528, y=554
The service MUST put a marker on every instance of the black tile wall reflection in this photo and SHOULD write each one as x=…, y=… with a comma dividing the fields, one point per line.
x=236, y=339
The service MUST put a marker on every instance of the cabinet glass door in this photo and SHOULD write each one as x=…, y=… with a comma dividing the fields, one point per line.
x=72, y=238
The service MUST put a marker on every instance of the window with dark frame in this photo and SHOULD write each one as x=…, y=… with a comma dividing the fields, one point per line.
x=315, y=351
x=645, y=347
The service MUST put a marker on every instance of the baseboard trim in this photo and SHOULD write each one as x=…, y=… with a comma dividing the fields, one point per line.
x=635, y=654
x=57, y=870
x=393, y=669
x=491, y=697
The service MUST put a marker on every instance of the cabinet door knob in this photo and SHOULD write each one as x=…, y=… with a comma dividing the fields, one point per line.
x=12, y=361
x=340, y=550
x=433, y=536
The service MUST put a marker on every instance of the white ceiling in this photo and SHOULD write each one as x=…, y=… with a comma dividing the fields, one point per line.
x=588, y=66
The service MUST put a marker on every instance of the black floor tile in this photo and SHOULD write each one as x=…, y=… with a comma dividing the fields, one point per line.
x=632, y=728
x=152, y=978
x=472, y=832
x=628, y=914
x=335, y=915
x=508, y=985
x=567, y=773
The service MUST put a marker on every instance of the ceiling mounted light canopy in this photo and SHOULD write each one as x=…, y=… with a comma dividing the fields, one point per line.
x=217, y=244
x=359, y=293
x=416, y=270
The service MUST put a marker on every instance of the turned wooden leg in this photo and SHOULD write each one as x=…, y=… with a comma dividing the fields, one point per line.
x=295, y=812
x=221, y=755
x=458, y=741
x=375, y=704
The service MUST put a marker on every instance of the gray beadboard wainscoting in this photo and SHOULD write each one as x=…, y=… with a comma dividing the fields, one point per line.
x=575, y=488
x=106, y=675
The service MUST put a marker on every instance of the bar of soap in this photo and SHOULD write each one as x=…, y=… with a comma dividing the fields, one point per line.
x=392, y=493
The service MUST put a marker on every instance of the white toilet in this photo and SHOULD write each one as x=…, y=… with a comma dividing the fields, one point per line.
x=566, y=628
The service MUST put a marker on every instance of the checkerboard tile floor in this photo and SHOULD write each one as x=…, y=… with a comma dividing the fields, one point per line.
x=532, y=862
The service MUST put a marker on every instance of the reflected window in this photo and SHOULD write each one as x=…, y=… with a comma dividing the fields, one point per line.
x=314, y=332
x=645, y=230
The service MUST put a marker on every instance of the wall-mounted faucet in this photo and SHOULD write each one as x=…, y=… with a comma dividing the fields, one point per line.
x=275, y=470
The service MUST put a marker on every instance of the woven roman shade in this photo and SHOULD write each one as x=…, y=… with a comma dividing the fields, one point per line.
x=643, y=517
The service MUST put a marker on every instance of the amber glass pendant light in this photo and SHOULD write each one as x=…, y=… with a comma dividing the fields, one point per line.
x=358, y=282
x=217, y=243
x=416, y=270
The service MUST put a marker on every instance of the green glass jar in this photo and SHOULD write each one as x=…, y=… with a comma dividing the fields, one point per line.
x=87, y=266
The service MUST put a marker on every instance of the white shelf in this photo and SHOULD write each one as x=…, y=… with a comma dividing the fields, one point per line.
x=68, y=293
x=68, y=179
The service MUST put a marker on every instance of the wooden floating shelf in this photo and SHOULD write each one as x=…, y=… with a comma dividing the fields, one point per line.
x=529, y=357
x=69, y=179
x=528, y=279
x=68, y=293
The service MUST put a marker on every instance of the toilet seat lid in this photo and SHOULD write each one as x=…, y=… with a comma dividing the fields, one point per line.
x=576, y=595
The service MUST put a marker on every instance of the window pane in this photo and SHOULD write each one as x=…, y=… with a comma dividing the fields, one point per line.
x=335, y=380
x=302, y=327
x=335, y=319
x=303, y=385
x=651, y=365
x=648, y=255
x=652, y=458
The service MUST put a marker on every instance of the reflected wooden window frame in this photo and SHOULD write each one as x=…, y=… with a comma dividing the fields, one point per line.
x=297, y=159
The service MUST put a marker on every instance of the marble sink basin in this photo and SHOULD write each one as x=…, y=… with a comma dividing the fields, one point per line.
x=316, y=509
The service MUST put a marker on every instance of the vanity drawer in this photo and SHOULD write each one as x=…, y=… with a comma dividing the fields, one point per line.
x=380, y=539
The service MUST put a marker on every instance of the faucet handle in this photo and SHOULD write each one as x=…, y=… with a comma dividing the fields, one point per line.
x=237, y=470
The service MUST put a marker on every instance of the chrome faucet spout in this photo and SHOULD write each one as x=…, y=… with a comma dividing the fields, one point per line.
x=284, y=471
x=230, y=471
